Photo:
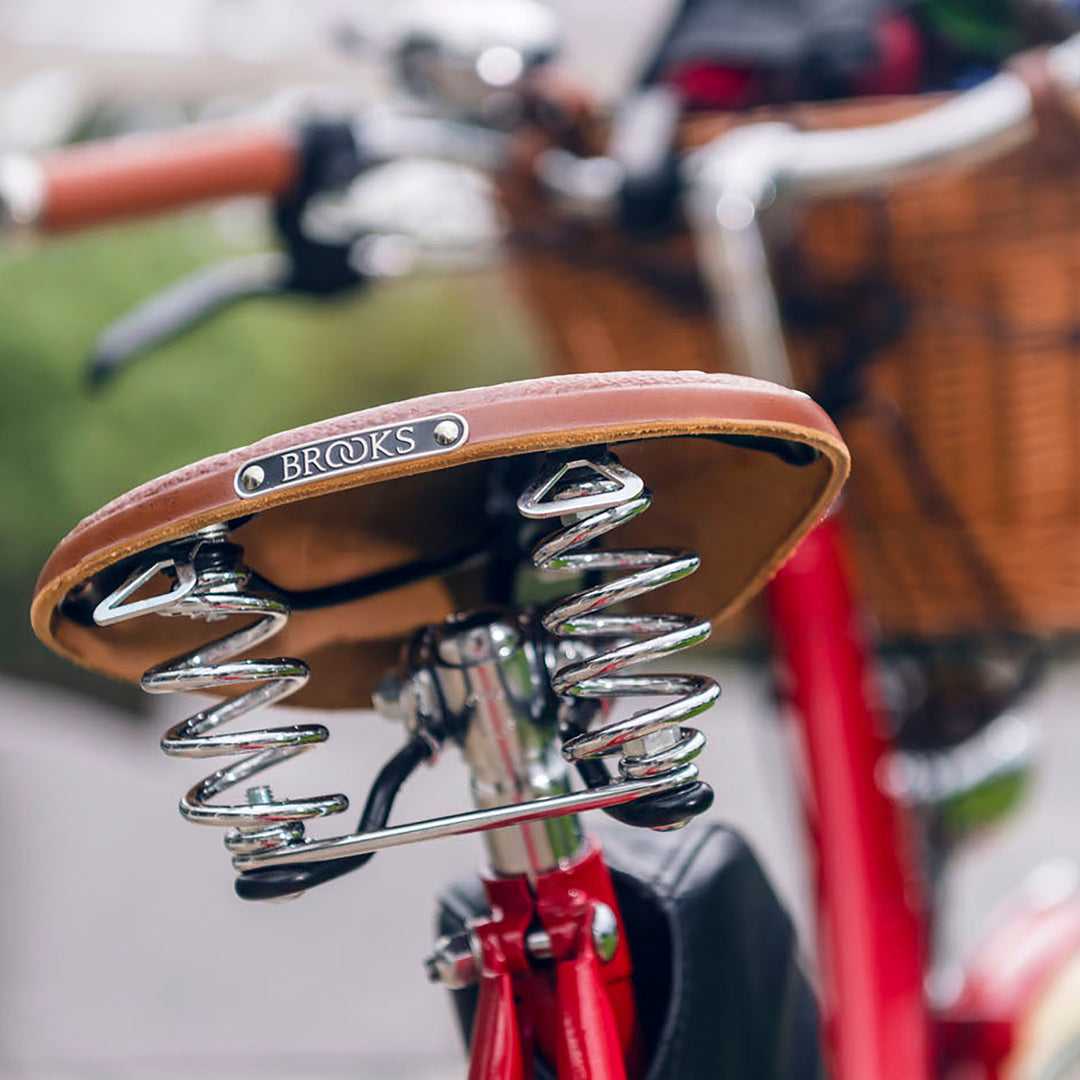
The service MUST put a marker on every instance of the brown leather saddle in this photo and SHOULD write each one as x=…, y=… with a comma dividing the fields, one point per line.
x=376, y=522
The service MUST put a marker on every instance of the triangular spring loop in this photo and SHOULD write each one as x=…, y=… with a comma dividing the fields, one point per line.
x=607, y=484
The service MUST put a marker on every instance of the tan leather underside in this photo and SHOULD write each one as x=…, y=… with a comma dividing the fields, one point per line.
x=741, y=509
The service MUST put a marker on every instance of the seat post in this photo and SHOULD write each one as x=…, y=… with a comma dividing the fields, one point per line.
x=494, y=682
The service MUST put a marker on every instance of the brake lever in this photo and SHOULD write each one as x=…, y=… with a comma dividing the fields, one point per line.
x=308, y=268
x=182, y=306
x=329, y=158
x=334, y=239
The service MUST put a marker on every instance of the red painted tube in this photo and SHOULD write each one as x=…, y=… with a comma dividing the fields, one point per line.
x=578, y=1014
x=871, y=909
x=588, y=1039
x=139, y=175
x=496, y=1043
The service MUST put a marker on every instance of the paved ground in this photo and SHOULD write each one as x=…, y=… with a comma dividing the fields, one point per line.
x=125, y=953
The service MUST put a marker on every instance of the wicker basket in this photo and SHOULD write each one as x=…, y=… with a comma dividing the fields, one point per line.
x=940, y=322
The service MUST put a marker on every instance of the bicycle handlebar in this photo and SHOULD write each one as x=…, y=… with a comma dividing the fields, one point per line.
x=977, y=125
x=734, y=178
x=725, y=185
x=143, y=174
x=138, y=175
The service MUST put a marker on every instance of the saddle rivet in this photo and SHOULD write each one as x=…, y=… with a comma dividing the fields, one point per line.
x=446, y=432
x=252, y=477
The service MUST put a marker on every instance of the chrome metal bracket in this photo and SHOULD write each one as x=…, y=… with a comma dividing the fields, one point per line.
x=497, y=817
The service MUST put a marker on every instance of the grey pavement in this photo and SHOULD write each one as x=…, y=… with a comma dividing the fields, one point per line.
x=123, y=951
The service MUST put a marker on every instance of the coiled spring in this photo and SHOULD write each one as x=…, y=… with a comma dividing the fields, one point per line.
x=593, y=494
x=210, y=585
x=658, y=786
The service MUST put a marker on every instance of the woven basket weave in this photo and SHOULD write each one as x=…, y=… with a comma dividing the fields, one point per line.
x=964, y=501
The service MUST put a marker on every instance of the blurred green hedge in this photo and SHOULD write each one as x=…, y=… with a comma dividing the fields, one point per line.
x=263, y=367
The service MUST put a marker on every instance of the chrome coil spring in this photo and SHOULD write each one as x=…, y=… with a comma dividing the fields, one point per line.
x=593, y=494
x=211, y=585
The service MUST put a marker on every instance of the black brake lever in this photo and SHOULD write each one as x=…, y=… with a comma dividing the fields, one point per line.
x=184, y=305
x=329, y=158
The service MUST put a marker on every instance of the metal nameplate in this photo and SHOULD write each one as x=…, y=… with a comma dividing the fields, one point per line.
x=351, y=452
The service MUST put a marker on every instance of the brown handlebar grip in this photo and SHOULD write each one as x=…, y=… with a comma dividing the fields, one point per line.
x=139, y=175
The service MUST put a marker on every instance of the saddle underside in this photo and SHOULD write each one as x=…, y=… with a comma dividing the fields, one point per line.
x=739, y=470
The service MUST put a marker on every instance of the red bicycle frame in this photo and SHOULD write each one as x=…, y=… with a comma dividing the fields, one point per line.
x=871, y=903
x=583, y=1018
